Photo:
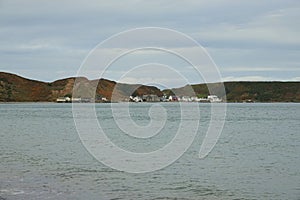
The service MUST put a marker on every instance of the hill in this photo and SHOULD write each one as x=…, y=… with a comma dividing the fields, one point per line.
x=14, y=88
x=242, y=91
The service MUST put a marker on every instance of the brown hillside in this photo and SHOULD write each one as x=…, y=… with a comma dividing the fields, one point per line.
x=14, y=88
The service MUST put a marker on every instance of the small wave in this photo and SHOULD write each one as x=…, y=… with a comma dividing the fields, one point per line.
x=11, y=192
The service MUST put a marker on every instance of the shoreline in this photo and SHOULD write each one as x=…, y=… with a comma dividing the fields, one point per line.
x=53, y=102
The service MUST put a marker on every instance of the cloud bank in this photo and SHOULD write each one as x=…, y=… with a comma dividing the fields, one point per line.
x=248, y=40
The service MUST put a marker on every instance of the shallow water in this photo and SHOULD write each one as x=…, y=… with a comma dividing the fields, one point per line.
x=256, y=157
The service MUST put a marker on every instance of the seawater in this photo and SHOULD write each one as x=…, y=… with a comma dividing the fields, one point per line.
x=257, y=155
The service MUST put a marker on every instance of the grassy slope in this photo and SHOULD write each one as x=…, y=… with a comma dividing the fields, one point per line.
x=241, y=91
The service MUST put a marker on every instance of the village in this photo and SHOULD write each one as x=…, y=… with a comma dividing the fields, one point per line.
x=173, y=98
x=144, y=98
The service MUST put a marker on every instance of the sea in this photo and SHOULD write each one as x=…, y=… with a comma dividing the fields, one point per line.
x=257, y=155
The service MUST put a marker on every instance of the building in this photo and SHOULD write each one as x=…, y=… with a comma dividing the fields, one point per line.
x=74, y=100
x=186, y=99
x=173, y=98
x=151, y=98
x=63, y=100
x=214, y=99
x=136, y=99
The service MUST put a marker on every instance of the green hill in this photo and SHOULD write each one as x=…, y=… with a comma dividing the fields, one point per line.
x=243, y=91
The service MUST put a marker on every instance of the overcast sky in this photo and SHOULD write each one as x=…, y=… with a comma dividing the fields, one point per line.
x=248, y=40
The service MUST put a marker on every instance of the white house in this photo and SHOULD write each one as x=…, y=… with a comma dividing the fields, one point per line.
x=214, y=99
x=136, y=99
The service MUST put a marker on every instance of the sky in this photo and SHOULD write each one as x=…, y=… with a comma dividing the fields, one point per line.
x=253, y=40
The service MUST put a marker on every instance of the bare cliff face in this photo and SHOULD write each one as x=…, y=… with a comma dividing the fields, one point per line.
x=14, y=88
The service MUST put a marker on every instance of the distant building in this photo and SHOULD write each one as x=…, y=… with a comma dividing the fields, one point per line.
x=164, y=98
x=136, y=99
x=76, y=100
x=186, y=99
x=73, y=100
x=63, y=100
x=214, y=99
x=87, y=100
x=151, y=98
x=173, y=98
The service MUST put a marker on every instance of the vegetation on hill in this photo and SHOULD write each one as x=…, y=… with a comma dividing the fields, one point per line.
x=14, y=88
x=246, y=91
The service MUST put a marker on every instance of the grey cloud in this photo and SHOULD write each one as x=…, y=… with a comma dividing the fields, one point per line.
x=57, y=35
